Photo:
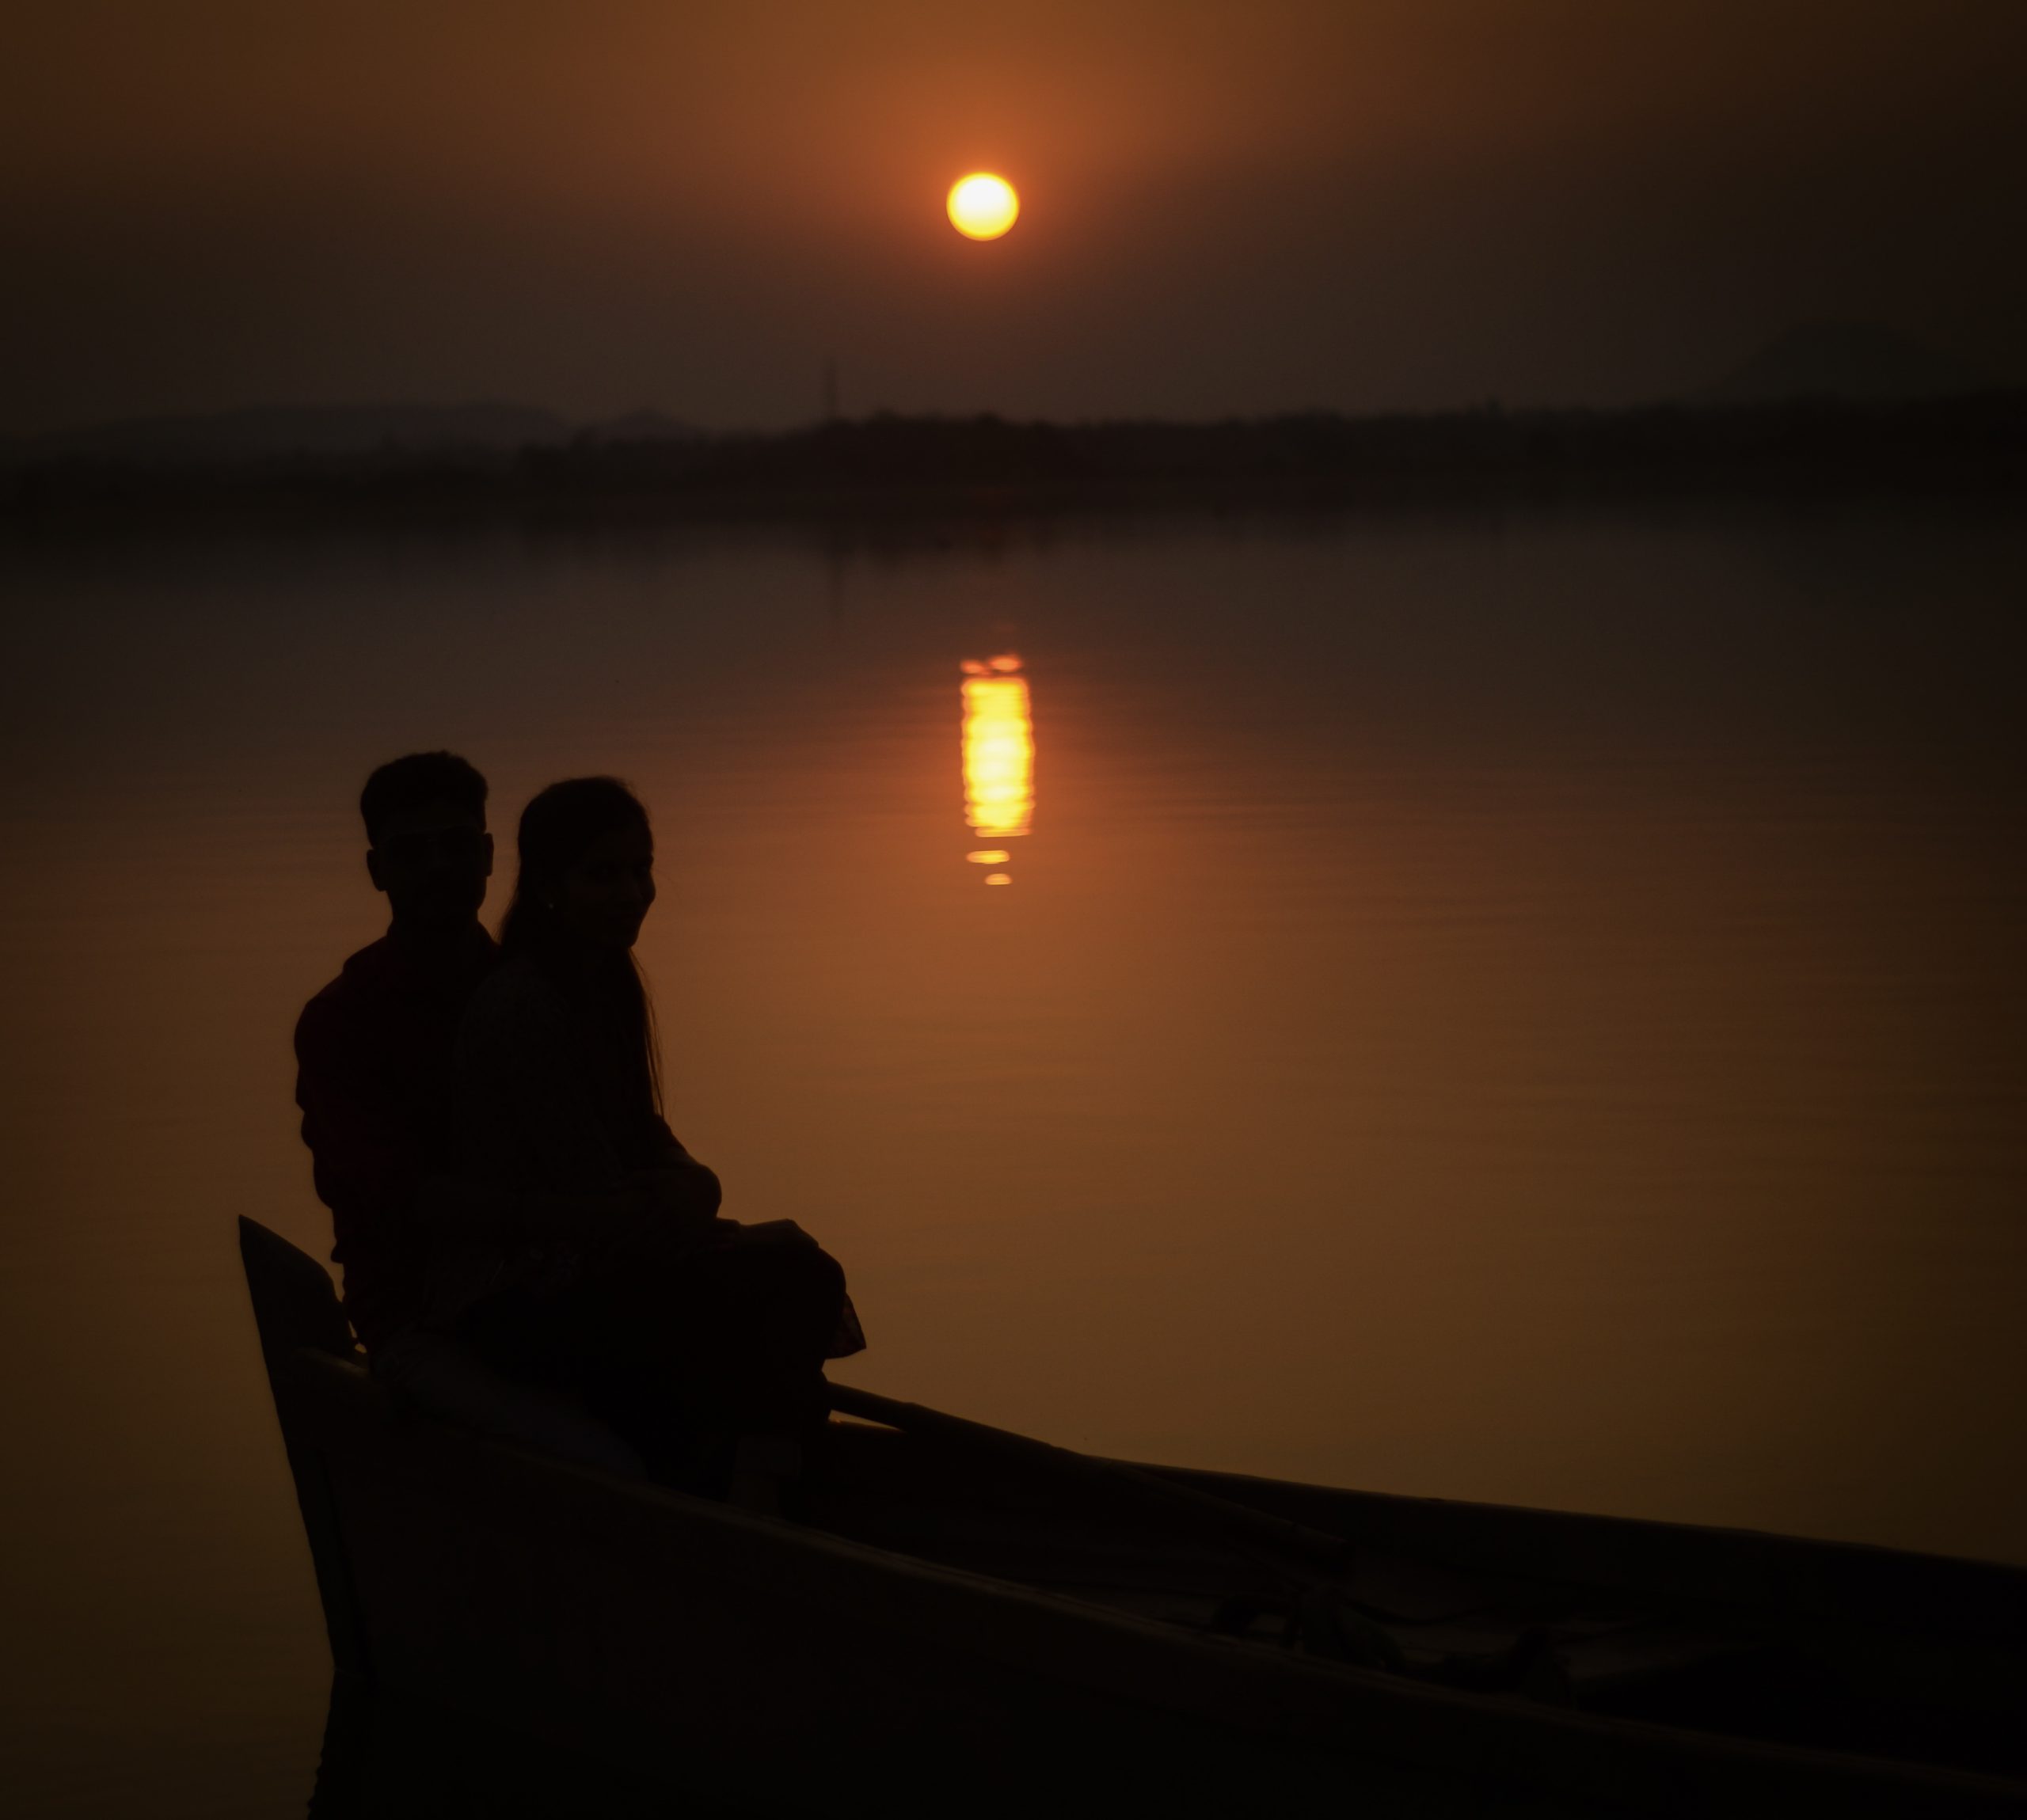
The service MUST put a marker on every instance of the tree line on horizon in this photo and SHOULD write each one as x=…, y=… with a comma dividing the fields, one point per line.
x=1976, y=441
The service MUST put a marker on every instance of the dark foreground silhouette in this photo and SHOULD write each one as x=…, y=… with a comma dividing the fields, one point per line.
x=962, y=1620
x=386, y=1756
x=374, y=1048
x=525, y=1242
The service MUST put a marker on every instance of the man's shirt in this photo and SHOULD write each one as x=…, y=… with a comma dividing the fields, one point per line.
x=373, y=1066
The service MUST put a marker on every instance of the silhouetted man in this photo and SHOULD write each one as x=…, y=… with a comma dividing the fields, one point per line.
x=374, y=1048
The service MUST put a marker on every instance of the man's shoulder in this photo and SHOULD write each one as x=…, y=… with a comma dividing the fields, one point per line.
x=336, y=1004
x=384, y=983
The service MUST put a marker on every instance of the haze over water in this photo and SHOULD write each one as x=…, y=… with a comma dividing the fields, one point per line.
x=1516, y=1007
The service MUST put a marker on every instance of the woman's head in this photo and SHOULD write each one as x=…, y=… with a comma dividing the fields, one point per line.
x=587, y=879
x=587, y=867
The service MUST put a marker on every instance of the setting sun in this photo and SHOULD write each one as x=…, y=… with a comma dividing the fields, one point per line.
x=983, y=207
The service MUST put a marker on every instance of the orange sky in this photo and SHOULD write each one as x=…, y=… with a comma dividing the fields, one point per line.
x=1232, y=207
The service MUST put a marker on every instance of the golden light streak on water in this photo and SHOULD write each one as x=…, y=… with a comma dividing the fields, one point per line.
x=998, y=751
x=990, y=857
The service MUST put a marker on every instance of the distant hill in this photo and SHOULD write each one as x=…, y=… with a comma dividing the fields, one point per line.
x=275, y=432
x=1855, y=360
x=641, y=427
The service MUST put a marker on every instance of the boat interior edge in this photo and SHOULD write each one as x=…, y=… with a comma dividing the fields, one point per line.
x=1763, y=1638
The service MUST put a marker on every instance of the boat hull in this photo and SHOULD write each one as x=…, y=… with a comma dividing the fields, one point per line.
x=762, y=1664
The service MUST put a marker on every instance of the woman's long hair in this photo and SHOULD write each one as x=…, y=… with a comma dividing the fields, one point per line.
x=556, y=829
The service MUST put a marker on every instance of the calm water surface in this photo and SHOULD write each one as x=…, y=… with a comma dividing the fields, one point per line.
x=1512, y=1008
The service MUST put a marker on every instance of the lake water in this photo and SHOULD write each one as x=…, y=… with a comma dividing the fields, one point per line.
x=1524, y=1007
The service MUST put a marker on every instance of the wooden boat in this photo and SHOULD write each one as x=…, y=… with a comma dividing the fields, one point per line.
x=964, y=1623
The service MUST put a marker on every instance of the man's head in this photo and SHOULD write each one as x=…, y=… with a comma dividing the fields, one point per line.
x=426, y=846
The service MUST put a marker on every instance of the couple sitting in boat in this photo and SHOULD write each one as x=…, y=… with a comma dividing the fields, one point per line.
x=518, y=1228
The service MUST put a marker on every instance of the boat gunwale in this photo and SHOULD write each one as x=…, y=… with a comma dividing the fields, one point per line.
x=2004, y=1619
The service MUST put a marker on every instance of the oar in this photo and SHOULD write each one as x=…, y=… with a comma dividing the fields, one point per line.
x=1237, y=1524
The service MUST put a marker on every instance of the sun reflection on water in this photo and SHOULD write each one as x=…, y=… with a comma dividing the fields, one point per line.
x=998, y=755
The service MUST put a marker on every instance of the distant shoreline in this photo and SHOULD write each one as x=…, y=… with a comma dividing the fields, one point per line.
x=888, y=467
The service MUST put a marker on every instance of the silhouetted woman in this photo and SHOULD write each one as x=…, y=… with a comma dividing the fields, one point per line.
x=610, y=1274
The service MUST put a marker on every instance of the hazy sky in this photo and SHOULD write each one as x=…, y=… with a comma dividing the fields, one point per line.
x=1229, y=205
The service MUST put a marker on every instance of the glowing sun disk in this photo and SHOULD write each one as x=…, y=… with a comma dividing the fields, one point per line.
x=982, y=206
